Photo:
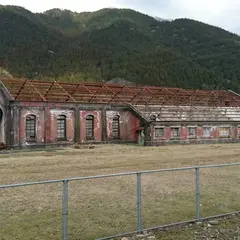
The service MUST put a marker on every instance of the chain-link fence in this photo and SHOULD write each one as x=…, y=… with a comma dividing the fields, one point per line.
x=118, y=204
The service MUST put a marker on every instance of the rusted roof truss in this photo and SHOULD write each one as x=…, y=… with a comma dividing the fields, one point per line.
x=32, y=90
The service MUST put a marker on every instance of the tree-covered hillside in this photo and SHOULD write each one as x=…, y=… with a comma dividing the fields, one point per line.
x=117, y=43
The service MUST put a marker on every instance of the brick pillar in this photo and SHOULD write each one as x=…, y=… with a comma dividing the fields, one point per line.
x=104, y=124
x=47, y=127
x=77, y=125
x=147, y=133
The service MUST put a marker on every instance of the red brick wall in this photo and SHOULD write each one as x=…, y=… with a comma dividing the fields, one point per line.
x=135, y=122
x=128, y=125
x=199, y=133
x=32, y=104
x=97, y=125
x=168, y=133
x=234, y=132
x=48, y=125
x=214, y=132
x=183, y=133
x=39, y=124
x=69, y=114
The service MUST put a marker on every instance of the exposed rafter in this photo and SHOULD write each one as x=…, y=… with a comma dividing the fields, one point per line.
x=45, y=94
x=32, y=90
x=21, y=88
x=41, y=96
x=69, y=96
x=116, y=94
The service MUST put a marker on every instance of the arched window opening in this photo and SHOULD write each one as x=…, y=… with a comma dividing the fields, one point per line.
x=31, y=127
x=116, y=127
x=90, y=126
x=61, y=127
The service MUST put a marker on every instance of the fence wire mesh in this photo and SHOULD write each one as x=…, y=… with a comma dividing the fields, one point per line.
x=31, y=212
x=101, y=207
x=219, y=190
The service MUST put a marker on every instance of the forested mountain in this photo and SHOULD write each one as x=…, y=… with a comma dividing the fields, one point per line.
x=117, y=43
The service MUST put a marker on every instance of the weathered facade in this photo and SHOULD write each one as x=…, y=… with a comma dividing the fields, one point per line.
x=36, y=113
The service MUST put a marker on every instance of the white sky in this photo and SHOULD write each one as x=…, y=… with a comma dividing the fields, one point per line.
x=223, y=13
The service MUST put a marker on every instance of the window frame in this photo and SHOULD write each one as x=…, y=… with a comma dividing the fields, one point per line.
x=63, y=129
x=224, y=136
x=179, y=132
x=210, y=130
x=87, y=128
x=32, y=128
x=163, y=132
x=118, y=135
x=192, y=127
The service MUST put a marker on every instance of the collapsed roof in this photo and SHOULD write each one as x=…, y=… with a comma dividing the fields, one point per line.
x=32, y=90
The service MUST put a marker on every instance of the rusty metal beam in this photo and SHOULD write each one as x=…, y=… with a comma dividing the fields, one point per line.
x=73, y=92
x=35, y=89
x=141, y=99
x=21, y=88
x=95, y=94
x=112, y=93
x=56, y=83
x=49, y=89
x=116, y=94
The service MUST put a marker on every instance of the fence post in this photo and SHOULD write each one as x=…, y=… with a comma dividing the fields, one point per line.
x=65, y=210
x=139, y=202
x=197, y=194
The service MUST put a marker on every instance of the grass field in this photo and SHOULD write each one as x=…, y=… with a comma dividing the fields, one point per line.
x=108, y=206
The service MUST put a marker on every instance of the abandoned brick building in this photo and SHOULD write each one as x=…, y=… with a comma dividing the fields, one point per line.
x=37, y=113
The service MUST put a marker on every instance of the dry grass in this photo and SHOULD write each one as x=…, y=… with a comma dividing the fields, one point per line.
x=226, y=229
x=42, y=165
x=108, y=206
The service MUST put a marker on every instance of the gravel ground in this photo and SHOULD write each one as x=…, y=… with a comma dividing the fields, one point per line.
x=225, y=229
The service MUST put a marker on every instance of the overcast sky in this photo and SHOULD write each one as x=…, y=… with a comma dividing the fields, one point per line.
x=223, y=13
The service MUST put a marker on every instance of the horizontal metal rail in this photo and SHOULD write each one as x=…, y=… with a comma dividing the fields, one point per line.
x=117, y=175
x=171, y=225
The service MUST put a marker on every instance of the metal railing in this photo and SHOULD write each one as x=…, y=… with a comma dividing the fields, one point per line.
x=143, y=179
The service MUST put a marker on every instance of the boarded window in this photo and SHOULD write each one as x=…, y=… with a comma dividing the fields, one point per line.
x=116, y=127
x=90, y=126
x=31, y=127
x=175, y=132
x=159, y=132
x=224, y=131
x=192, y=132
x=61, y=127
x=207, y=132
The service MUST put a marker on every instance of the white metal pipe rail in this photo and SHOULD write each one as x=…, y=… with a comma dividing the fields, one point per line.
x=117, y=174
x=138, y=174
